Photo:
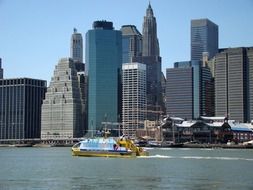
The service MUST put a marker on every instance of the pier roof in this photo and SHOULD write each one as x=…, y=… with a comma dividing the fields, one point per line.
x=235, y=126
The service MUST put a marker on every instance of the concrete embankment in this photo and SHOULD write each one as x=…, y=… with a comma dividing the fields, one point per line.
x=235, y=146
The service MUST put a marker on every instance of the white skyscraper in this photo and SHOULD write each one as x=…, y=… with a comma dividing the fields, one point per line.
x=134, y=98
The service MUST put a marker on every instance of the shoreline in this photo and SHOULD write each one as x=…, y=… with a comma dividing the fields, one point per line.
x=221, y=146
x=35, y=145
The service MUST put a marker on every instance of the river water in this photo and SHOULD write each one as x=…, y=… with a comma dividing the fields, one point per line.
x=194, y=169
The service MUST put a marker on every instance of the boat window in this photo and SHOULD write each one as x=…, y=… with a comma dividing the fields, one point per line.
x=77, y=145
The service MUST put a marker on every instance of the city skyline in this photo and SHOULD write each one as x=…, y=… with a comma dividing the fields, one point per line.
x=31, y=40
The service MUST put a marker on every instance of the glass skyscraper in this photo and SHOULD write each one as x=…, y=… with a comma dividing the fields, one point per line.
x=204, y=38
x=103, y=60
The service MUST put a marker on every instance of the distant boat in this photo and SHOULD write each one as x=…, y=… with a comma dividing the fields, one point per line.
x=248, y=143
x=164, y=144
x=42, y=145
x=22, y=145
x=154, y=144
x=108, y=147
x=172, y=145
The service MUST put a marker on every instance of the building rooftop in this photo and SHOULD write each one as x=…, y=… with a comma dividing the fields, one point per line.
x=201, y=22
x=103, y=24
x=128, y=30
x=213, y=118
x=186, y=124
x=235, y=126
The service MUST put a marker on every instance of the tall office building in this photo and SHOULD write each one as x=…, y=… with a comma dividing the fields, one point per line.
x=233, y=83
x=250, y=83
x=179, y=90
x=134, y=97
x=1, y=70
x=207, y=100
x=204, y=38
x=76, y=46
x=63, y=107
x=131, y=43
x=189, y=90
x=150, y=43
x=20, y=108
x=151, y=58
x=103, y=60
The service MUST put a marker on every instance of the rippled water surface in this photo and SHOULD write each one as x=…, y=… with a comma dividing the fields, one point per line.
x=55, y=168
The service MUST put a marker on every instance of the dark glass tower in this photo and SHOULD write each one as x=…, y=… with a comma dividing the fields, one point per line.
x=20, y=108
x=104, y=60
x=151, y=58
x=204, y=38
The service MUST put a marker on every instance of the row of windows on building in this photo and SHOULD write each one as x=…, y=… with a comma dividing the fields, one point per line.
x=22, y=81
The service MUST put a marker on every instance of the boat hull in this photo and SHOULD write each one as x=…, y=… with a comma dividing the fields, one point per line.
x=108, y=154
x=108, y=147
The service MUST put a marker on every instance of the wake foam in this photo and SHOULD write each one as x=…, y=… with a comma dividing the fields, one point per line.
x=215, y=158
x=155, y=156
x=195, y=157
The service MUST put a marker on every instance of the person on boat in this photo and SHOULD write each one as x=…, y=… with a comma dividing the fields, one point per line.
x=123, y=137
x=115, y=147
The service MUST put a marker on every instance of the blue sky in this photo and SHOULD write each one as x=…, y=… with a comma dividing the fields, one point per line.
x=35, y=34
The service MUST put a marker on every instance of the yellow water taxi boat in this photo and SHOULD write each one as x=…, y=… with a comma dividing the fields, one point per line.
x=108, y=147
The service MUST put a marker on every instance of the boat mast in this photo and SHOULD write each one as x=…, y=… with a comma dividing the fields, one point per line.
x=173, y=131
x=92, y=128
